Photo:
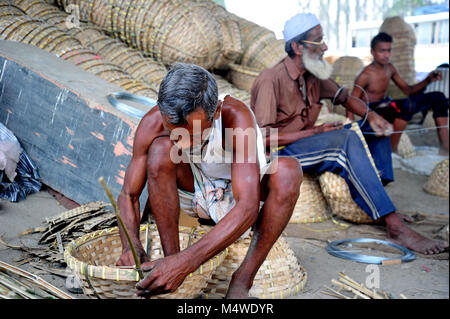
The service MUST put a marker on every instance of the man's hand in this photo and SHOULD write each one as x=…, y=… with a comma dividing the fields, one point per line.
x=127, y=259
x=435, y=76
x=379, y=125
x=327, y=127
x=165, y=276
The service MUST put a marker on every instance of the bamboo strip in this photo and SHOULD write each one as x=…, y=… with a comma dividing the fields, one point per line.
x=349, y=288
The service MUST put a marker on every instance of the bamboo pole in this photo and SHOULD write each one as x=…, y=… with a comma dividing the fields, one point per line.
x=360, y=287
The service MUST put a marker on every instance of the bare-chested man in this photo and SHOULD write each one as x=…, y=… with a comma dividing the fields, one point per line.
x=188, y=106
x=374, y=79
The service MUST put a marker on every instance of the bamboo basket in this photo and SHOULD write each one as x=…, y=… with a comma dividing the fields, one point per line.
x=279, y=276
x=242, y=77
x=225, y=87
x=167, y=30
x=405, y=147
x=437, y=183
x=311, y=206
x=92, y=258
x=345, y=70
x=337, y=195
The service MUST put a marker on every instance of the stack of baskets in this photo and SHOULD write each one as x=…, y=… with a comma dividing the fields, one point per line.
x=23, y=28
x=345, y=70
x=260, y=48
x=242, y=77
x=93, y=256
x=167, y=30
x=404, y=41
x=279, y=276
x=437, y=183
x=311, y=206
x=226, y=87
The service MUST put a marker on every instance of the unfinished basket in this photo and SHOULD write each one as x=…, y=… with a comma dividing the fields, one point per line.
x=280, y=275
x=437, y=183
x=338, y=197
x=311, y=206
x=92, y=258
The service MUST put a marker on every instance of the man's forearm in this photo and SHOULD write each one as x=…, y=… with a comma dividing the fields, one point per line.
x=130, y=213
x=287, y=138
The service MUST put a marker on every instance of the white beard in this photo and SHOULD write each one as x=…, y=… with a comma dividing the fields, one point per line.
x=320, y=68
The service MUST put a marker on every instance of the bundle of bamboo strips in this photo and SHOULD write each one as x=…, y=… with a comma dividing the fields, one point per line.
x=65, y=227
x=345, y=283
x=15, y=283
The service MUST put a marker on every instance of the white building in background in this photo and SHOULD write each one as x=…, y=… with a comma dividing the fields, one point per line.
x=432, y=46
x=431, y=29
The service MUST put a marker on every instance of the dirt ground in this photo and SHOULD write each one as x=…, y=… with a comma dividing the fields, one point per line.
x=423, y=278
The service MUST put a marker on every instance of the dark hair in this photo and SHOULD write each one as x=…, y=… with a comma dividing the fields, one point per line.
x=380, y=37
x=184, y=88
x=298, y=39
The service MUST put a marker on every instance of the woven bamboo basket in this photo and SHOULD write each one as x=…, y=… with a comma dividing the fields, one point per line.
x=242, y=77
x=404, y=41
x=437, y=183
x=92, y=258
x=279, y=276
x=345, y=70
x=311, y=206
x=405, y=147
x=337, y=195
x=225, y=87
x=167, y=30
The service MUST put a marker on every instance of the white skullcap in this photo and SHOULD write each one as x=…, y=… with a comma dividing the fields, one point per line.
x=299, y=24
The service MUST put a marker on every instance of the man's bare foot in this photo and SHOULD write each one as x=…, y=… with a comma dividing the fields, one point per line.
x=399, y=233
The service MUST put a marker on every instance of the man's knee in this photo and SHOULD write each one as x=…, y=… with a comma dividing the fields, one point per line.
x=287, y=179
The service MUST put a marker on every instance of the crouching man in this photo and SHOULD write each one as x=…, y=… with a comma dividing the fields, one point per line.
x=183, y=149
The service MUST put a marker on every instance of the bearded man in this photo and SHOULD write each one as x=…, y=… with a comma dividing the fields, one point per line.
x=287, y=97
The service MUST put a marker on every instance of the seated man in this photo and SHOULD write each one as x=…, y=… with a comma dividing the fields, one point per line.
x=177, y=151
x=287, y=97
x=374, y=79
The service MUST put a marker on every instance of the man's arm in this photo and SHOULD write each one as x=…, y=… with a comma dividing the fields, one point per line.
x=413, y=89
x=361, y=81
x=134, y=182
x=168, y=273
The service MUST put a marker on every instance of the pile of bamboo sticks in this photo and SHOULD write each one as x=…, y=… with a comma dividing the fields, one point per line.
x=65, y=227
x=347, y=286
x=16, y=283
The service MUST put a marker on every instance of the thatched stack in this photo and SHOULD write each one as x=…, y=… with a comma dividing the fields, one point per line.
x=93, y=38
x=16, y=26
x=404, y=41
x=345, y=70
x=167, y=30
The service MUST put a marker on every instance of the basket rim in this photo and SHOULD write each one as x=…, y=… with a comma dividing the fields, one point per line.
x=125, y=274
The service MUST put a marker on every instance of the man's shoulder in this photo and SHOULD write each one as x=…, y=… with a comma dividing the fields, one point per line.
x=235, y=112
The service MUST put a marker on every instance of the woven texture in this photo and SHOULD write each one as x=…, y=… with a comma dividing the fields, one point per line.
x=405, y=147
x=93, y=257
x=167, y=30
x=437, y=183
x=311, y=206
x=279, y=276
x=49, y=37
x=226, y=87
x=404, y=42
x=242, y=77
x=338, y=197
